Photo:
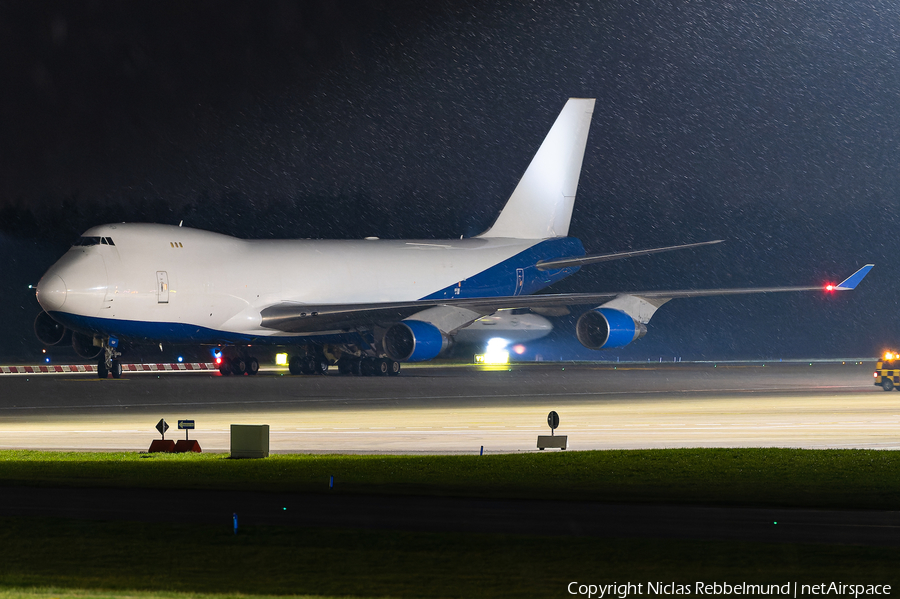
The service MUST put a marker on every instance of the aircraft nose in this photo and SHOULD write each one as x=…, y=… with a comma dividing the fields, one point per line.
x=51, y=293
x=78, y=280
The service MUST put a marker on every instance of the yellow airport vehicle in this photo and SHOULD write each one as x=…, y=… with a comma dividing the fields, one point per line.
x=887, y=371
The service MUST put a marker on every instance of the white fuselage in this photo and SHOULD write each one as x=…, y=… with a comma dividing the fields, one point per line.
x=167, y=274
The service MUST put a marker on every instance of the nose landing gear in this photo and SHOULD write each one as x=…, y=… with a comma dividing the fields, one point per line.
x=109, y=362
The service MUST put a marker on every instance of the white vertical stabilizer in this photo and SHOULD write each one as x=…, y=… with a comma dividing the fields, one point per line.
x=541, y=205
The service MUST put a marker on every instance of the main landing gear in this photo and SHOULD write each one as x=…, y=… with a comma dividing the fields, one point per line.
x=310, y=360
x=238, y=365
x=309, y=364
x=346, y=365
x=368, y=366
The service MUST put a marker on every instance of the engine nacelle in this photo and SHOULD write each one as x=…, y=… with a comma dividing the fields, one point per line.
x=84, y=346
x=605, y=328
x=414, y=341
x=47, y=330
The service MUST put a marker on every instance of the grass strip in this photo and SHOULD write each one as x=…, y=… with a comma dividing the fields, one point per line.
x=123, y=556
x=864, y=479
x=71, y=593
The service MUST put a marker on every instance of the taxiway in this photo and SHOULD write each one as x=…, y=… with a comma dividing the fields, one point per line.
x=460, y=409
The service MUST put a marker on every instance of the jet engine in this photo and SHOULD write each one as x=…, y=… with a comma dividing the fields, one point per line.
x=84, y=346
x=414, y=341
x=47, y=330
x=605, y=328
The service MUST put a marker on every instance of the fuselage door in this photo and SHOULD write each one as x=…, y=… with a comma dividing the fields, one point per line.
x=520, y=280
x=162, y=287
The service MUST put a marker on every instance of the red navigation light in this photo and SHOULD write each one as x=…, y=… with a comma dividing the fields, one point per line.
x=218, y=361
x=829, y=287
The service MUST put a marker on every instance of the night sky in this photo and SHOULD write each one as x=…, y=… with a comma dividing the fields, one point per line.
x=773, y=125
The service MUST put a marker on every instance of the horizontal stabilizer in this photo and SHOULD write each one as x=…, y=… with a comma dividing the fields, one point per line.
x=582, y=260
x=853, y=280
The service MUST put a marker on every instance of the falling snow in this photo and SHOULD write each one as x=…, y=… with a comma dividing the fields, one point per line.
x=772, y=125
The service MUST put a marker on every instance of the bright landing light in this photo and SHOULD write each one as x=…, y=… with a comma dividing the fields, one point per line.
x=496, y=352
x=281, y=359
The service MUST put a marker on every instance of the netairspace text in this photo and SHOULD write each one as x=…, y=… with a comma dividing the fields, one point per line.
x=621, y=590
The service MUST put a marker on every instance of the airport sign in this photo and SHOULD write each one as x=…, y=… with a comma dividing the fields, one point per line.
x=552, y=420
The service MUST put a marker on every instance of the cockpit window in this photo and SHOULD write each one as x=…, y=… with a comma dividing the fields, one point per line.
x=85, y=241
x=88, y=241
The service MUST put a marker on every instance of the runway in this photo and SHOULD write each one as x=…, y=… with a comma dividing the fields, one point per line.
x=459, y=409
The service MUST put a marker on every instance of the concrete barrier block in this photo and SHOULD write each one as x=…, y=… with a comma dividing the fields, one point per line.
x=554, y=442
x=162, y=446
x=187, y=445
x=249, y=440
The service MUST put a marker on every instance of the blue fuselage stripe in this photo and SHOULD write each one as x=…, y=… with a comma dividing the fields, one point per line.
x=504, y=279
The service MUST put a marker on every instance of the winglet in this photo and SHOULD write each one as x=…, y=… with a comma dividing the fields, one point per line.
x=853, y=280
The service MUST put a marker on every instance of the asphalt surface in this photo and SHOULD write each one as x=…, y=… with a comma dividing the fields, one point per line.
x=457, y=410
x=461, y=409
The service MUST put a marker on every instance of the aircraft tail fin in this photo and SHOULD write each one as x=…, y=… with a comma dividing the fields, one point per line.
x=541, y=205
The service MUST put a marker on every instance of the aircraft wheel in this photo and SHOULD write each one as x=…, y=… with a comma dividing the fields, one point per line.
x=252, y=366
x=116, y=369
x=367, y=367
x=308, y=365
x=887, y=385
x=238, y=366
x=225, y=367
x=356, y=367
x=320, y=365
x=382, y=366
x=102, y=370
x=394, y=368
x=345, y=366
x=296, y=365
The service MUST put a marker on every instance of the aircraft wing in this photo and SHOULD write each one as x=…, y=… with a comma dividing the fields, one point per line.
x=304, y=318
x=582, y=260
